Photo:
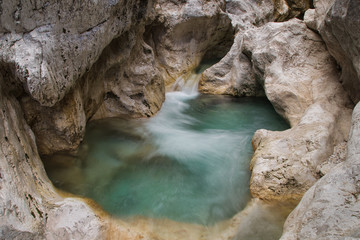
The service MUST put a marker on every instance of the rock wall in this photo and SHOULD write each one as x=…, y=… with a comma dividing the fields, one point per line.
x=300, y=79
x=29, y=206
x=66, y=61
x=291, y=65
x=330, y=209
x=63, y=63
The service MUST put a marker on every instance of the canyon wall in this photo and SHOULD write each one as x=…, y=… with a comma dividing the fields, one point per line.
x=64, y=63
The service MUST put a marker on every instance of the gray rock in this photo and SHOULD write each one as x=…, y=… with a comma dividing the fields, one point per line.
x=330, y=209
x=51, y=44
x=340, y=31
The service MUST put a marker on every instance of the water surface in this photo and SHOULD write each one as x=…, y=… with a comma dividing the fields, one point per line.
x=189, y=163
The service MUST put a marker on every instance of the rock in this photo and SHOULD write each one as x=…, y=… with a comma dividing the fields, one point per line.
x=314, y=18
x=330, y=209
x=310, y=19
x=232, y=74
x=121, y=80
x=28, y=200
x=340, y=31
x=285, y=9
x=51, y=44
x=186, y=32
x=73, y=219
x=300, y=79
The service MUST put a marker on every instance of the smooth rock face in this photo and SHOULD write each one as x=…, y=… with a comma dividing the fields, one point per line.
x=300, y=79
x=330, y=209
x=341, y=32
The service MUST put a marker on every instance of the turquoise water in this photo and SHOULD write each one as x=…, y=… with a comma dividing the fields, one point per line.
x=189, y=163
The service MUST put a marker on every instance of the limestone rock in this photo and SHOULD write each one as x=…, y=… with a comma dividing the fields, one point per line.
x=73, y=219
x=330, y=209
x=314, y=18
x=28, y=200
x=285, y=9
x=232, y=74
x=300, y=79
x=340, y=31
x=185, y=32
x=122, y=79
x=51, y=44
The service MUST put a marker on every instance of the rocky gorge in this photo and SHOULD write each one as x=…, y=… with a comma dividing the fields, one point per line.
x=65, y=63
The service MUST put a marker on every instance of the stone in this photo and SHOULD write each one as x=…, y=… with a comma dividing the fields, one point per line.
x=120, y=76
x=186, y=32
x=285, y=9
x=300, y=79
x=310, y=19
x=232, y=75
x=330, y=208
x=28, y=201
x=51, y=44
x=341, y=32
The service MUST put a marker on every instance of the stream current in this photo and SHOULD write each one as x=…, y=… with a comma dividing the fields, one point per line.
x=189, y=163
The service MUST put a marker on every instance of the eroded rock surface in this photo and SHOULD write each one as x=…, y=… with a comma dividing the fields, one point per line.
x=29, y=206
x=70, y=62
x=187, y=31
x=65, y=62
x=300, y=79
x=330, y=209
x=232, y=74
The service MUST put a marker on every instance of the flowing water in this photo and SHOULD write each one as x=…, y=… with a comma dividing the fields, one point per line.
x=189, y=163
